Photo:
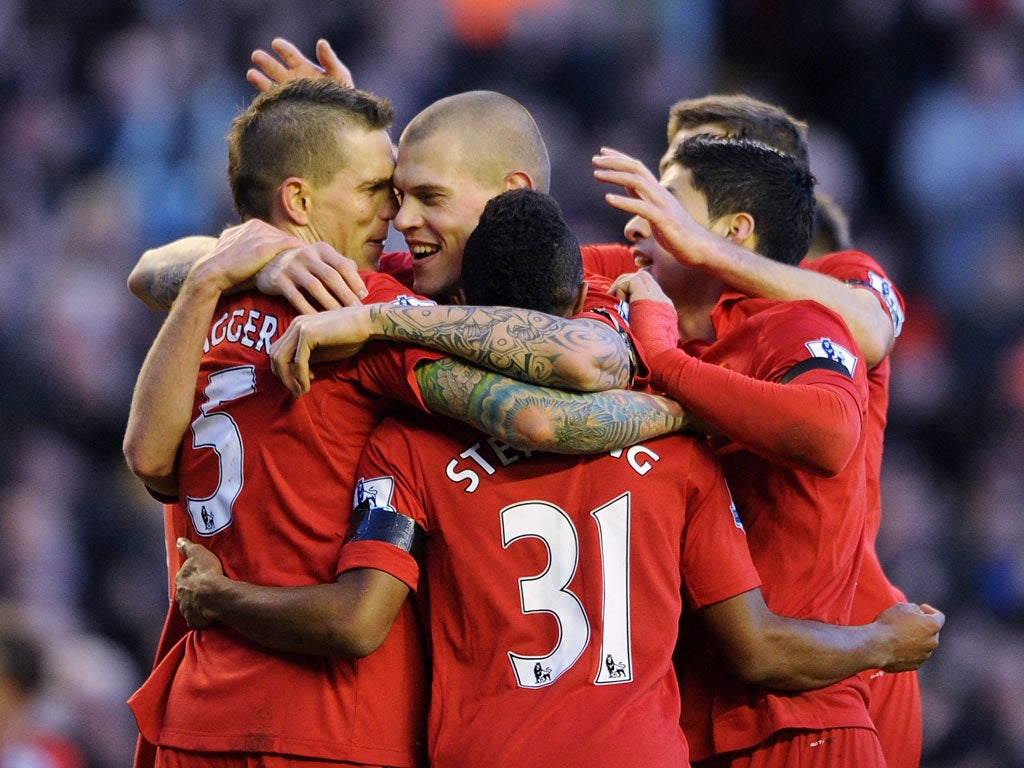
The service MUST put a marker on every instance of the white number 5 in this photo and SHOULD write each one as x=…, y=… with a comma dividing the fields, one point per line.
x=218, y=430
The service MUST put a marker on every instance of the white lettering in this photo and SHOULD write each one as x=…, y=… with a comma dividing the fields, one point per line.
x=267, y=333
x=472, y=453
x=234, y=331
x=641, y=467
x=249, y=328
x=214, y=338
x=243, y=326
x=465, y=474
x=502, y=449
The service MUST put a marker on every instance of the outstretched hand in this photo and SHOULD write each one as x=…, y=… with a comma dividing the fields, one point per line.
x=269, y=71
x=915, y=631
x=194, y=582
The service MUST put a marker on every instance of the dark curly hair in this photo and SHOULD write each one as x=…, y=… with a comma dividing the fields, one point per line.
x=523, y=254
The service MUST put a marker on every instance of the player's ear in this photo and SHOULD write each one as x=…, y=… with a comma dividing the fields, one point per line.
x=294, y=200
x=740, y=227
x=518, y=180
x=581, y=298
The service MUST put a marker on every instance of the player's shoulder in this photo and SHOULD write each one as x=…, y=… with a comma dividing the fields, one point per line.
x=385, y=288
x=607, y=260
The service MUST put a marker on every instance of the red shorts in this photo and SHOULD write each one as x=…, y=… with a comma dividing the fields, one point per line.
x=836, y=747
x=166, y=757
x=895, y=709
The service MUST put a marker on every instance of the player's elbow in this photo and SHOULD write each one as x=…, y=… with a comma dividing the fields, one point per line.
x=155, y=469
x=589, y=373
x=532, y=429
x=825, y=456
x=876, y=343
x=358, y=635
x=139, y=284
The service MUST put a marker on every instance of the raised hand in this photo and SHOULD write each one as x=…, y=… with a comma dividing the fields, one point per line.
x=635, y=286
x=293, y=64
x=672, y=226
x=313, y=277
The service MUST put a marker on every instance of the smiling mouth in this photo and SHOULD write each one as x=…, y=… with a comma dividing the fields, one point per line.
x=422, y=251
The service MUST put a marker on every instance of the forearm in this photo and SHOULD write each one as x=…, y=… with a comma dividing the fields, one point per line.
x=158, y=276
x=341, y=618
x=803, y=426
x=799, y=655
x=540, y=418
x=530, y=346
x=756, y=275
x=161, y=405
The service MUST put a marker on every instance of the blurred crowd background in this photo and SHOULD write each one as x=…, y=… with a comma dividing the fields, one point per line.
x=112, y=122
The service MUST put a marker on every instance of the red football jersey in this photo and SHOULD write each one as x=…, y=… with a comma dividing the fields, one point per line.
x=554, y=585
x=895, y=704
x=805, y=532
x=266, y=482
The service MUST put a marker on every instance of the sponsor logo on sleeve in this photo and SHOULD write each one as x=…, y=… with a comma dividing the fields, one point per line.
x=406, y=300
x=829, y=350
x=377, y=492
x=883, y=287
x=736, y=517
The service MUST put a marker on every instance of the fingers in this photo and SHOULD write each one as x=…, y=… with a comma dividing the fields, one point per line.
x=298, y=300
x=270, y=69
x=313, y=277
x=283, y=356
x=260, y=81
x=332, y=64
x=290, y=54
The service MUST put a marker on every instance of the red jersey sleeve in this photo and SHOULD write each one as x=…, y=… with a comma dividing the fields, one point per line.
x=715, y=562
x=602, y=306
x=858, y=268
x=609, y=260
x=802, y=400
x=382, y=487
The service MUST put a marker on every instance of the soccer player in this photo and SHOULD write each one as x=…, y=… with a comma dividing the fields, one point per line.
x=552, y=585
x=791, y=444
x=854, y=285
x=265, y=480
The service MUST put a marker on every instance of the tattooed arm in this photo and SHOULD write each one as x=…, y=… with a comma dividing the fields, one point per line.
x=158, y=276
x=311, y=276
x=540, y=418
x=581, y=354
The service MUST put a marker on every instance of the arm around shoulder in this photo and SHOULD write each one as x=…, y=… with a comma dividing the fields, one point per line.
x=160, y=272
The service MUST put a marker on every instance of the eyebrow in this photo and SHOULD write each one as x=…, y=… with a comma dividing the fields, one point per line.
x=424, y=189
x=375, y=183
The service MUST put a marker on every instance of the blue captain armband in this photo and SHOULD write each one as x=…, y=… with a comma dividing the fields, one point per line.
x=387, y=525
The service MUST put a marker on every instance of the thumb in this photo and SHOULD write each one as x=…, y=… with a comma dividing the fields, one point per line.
x=184, y=545
x=925, y=608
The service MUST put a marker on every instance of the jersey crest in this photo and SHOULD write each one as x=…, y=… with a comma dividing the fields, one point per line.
x=827, y=349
